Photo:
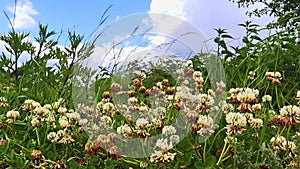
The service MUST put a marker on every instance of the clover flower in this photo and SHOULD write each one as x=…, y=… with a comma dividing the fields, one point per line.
x=35, y=122
x=256, y=123
x=12, y=114
x=298, y=97
x=274, y=77
x=115, y=87
x=289, y=115
x=36, y=154
x=67, y=139
x=266, y=98
x=3, y=102
x=160, y=156
x=53, y=137
x=41, y=111
x=125, y=130
x=132, y=101
x=91, y=148
x=30, y=105
x=142, y=123
x=63, y=122
x=83, y=122
x=168, y=130
x=277, y=142
x=62, y=110
x=236, y=122
x=143, y=164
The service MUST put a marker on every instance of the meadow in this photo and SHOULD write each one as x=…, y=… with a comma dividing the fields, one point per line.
x=249, y=120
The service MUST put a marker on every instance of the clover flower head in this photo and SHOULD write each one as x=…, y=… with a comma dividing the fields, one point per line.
x=266, y=98
x=168, y=130
x=13, y=114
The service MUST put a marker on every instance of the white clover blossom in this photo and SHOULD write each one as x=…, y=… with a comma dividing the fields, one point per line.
x=163, y=145
x=266, y=98
x=12, y=114
x=73, y=116
x=290, y=110
x=63, y=122
x=106, y=119
x=83, y=122
x=132, y=101
x=53, y=137
x=142, y=123
x=3, y=102
x=41, y=111
x=62, y=110
x=168, y=130
x=108, y=107
x=256, y=123
x=237, y=119
x=160, y=156
x=124, y=130
x=35, y=122
x=197, y=74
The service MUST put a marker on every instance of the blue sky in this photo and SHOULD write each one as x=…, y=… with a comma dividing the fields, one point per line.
x=83, y=16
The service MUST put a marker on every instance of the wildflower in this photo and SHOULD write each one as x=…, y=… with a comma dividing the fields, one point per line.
x=67, y=139
x=114, y=152
x=266, y=98
x=36, y=154
x=156, y=123
x=35, y=122
x=62, y=110
x=63, y=122
x=140, y=75
x=289, y=115
x=142, y=123
x=277, y=142
x=132, y=101
x=30, y=105
x=12, y=114
x=124, y=130
x=204, y=126
x=137, y=82
x=256, y=123
x=106, y=119
x=168, y=130
x=256, y=107
x=41, y=111
x=74, y=117
x=160, y=156
x=53, y=137
x=3, y=102
x=83, y=122
x=197, y=74
x=220, y=86
x=105, y=142
x=105, y=95
x=274, y=77
x=236, y=122
x=115, y=87
x=91, y=148
x=143, y=164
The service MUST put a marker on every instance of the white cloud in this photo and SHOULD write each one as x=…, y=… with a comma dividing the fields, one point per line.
x=207, y=15
x=174, y=8
x=23, y=14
